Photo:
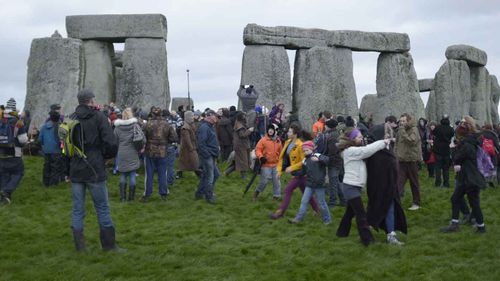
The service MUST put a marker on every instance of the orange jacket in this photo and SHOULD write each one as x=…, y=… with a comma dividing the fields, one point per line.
x=318, y=127
x=269, y=148
x=296, y=156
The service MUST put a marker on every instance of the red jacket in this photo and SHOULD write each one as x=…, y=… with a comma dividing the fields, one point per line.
x=270, y=149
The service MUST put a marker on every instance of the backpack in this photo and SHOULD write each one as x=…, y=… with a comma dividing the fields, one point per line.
x=138, y=138
x=488, y=146
x=484, y=164
x=7, y=134
x=66, y=134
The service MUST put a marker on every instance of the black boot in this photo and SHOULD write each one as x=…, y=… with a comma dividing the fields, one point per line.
x=363, y=227
x=108, y=240
x=123, y=195
x=79, y=240
x=131, y=193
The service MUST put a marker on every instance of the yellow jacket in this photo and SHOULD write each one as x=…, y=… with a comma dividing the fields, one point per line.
x=296, y=156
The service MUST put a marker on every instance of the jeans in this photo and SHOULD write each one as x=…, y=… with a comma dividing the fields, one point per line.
x=320, y=196
x=99, y=193
x=209, y=175
x=334, y=189
x=160, y=165
x=442, y=165
x=11, y=173
x=171, y=153
x=125, y=175
x=389, y=218
x=266, y=174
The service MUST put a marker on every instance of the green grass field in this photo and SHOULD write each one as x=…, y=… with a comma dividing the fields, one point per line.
x=183, y=239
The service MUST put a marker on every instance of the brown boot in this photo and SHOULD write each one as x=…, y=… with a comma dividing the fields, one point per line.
x=277, y=215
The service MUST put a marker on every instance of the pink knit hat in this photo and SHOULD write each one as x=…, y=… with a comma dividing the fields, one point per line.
x=308, y=145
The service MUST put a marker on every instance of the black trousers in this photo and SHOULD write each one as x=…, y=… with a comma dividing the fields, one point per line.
x=457, y=201
x=54, y=169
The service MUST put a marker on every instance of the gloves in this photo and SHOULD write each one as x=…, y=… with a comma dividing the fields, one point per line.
x=262, y=160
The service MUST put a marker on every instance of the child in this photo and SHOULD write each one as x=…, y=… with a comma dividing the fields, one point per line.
x=354, y=152
x=314, y=167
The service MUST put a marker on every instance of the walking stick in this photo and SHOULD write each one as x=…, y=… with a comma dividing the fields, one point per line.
x=256, y=171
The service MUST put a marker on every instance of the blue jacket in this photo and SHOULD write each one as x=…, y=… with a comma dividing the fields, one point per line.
x=206, y=140
x=48, y=139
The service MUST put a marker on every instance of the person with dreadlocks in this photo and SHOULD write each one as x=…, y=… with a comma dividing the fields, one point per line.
x=353, y=151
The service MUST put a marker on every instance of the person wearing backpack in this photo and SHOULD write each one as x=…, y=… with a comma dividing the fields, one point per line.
x=54, y=168
x=94, y=136
x=470, y=180
x=128, y=153
x=490, y=144
x=13, y=135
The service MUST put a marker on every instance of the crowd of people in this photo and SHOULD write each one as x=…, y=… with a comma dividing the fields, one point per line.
x=330, y=163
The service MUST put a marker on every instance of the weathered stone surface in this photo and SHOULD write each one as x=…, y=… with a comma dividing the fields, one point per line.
x=480, y=102
x=287, y=36
x=369, y=41
x=397, y=87
x=145, y=74
x=99, y=75
x=472, y=55
x=176, y=102
x=116, y=28
x=323, y=80
x=55, y=75
x=452, y=91
x=305, y=38
x=119, y=84
x=268, y=69
x=117, y=59
x=368, y=104
x=425, y=85
x=495, y=97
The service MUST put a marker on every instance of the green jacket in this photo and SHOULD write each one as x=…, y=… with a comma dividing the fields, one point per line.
x=408, y=143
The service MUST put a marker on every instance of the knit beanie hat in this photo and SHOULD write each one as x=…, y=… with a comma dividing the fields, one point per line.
x=308, y=145
x=331, y=123
x=84, y=96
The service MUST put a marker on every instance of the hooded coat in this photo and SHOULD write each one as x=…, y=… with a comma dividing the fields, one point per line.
x=465, y=156
x=382, y=189
x=99, y=143
x=128, y=157
x=241, y=146
x=188, y=157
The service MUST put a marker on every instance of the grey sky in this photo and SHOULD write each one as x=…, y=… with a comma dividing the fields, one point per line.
x=206, y=36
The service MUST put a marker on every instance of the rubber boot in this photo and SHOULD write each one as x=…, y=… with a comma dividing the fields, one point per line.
x=345, y=223
x=131, y=193
x=108, y=242
x=79, y=240
x=363, y=227
x=123, y=195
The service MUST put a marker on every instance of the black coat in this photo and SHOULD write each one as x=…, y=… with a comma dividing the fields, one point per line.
x=99, y=144
x=382, y=182
x=469, y=176
x=442, y=139
x=315, y=170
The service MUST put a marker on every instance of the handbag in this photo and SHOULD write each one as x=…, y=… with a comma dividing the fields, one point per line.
x=138, y=138
x=432, y=158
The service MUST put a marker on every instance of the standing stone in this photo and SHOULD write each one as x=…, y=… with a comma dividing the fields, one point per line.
x=144, y=74
x=480, y=105
x=495, y=97
x=176, y=102
x=397, y=87
x=452, y=91
x=99, y=75
x=55, y=75
x=368, y=104
x=268, y=69
x=323, y=80
x=119, y=84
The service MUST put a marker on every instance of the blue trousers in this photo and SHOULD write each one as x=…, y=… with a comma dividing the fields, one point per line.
x=160, y=166
x=99, y=193
x=209, y=176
